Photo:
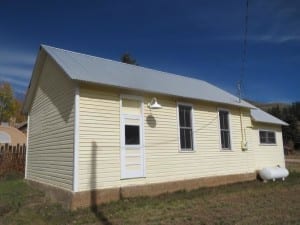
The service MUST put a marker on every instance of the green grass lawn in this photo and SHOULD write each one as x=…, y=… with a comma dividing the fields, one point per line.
x=244, y=203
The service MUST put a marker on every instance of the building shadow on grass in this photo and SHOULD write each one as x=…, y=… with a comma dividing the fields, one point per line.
x=95, y=208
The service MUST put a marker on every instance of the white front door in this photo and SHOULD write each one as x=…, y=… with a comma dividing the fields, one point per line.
x=132, y=133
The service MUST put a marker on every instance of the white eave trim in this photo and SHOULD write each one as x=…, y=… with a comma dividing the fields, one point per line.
x=269, y=122
x=76, y=142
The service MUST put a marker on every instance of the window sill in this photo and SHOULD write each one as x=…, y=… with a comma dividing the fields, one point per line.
x=226, y=150
x=186, y=151
x=268, y=144
x=130, y=178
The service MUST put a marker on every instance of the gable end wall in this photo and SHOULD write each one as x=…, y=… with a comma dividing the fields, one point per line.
x=51, y=131
x=268, y=155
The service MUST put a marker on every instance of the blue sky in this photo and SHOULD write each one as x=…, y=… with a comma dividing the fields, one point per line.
x=201, y=39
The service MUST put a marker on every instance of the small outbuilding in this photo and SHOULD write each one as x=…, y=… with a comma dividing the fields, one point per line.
x=100, y=129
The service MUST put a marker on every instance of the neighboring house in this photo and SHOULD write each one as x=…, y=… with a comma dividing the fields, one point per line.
x=90, y=127
x=11, y=135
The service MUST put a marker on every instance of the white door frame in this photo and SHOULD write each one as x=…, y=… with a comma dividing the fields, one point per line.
x=140, y=118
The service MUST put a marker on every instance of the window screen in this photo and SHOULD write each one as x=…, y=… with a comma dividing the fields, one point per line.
x=267, y=137
x=186, y=128
x=224, y=129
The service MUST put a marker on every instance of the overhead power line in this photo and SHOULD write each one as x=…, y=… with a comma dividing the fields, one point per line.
x=244, y=53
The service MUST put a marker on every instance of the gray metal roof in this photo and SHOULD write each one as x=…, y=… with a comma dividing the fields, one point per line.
x=259, y=115
x=97, y=70
x=86, y=68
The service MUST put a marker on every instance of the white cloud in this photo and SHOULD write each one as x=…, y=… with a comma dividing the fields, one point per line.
x=16, y=57
x=264, y=38
x=16, y=67
x=273, y=38
x=7, y=71
x=16, y=81
x=289, y=38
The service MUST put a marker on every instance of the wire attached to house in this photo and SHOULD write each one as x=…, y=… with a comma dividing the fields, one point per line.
x=244, y=144
x=244, y=54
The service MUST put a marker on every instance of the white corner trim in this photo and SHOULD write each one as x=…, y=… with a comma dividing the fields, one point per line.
x=143, y=160
x=76, y=142
x=27, y=147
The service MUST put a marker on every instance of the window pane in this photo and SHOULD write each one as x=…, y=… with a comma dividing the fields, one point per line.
x=185, y=116
x=221, y=116
x=271, y=138
x=188, y=122
x=186, y=131
x=225, y=139
x=132, y=135
x=225, y=132
x=181, y=117
x=263, y=136
x=182, y=138
x=224, y=122
x=228, y=140
x=186, y=138
x=263, y=140
x=271, y=135
x=271, y=141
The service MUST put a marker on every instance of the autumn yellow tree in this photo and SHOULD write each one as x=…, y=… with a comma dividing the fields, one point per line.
x=7, y=102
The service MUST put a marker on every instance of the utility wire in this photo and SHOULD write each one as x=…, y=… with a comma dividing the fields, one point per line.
x=244, y=53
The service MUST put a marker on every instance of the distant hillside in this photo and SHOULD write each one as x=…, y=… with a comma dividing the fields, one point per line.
x=270, y=105
x=289, y=113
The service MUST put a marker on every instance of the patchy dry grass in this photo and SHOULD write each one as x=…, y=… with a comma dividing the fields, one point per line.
x=295, y=155
x=293, y=166
x=245, y=203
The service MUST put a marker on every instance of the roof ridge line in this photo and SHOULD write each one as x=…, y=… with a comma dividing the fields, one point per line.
x=129, y=65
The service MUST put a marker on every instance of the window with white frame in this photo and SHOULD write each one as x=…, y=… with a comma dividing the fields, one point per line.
x=224, y=129
x=186, y=127
x=267, y=137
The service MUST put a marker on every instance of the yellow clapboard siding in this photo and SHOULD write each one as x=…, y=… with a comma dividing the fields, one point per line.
x=59, y=164
x=55, y=181
x=268, y=155
x=51, y=129
x=51, y=137
x=100, y=133
x=99, y=136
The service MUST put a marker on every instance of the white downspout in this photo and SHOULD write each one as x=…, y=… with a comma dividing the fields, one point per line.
x=244, y=144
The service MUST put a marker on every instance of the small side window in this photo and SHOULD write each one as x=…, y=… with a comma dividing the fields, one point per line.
x=267, y=137
x=224, y=129
x=186, y=127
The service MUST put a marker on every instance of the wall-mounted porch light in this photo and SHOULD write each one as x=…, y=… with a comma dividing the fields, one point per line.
x=153, y=104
